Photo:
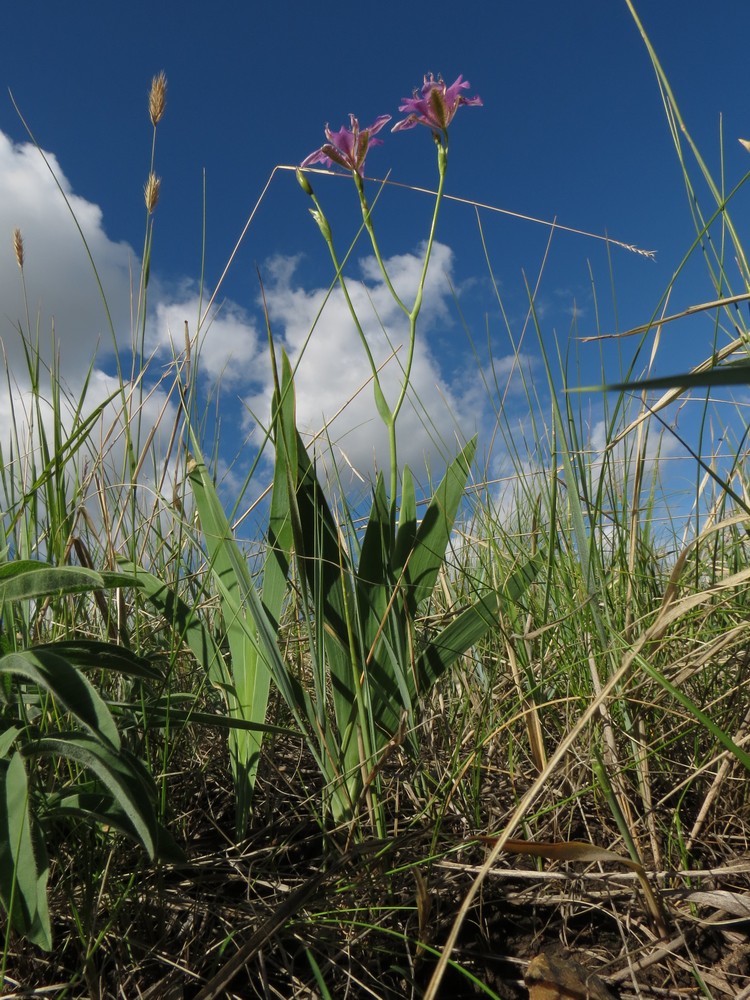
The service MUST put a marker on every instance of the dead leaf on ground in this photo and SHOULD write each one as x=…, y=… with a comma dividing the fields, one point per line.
x=550, y=977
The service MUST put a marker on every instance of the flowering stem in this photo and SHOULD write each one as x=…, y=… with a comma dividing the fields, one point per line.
x=367, y=219
x=412, y=314
x=325, y=229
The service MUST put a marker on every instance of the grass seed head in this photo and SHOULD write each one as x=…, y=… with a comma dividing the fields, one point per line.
x=151, y=192
x=157, y=98
x=18, y=246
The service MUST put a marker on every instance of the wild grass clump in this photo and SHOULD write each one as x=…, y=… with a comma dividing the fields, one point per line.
x=399, y=754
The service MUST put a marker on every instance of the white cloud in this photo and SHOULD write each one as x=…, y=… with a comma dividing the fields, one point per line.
x=68, y=319
x=333, y=375
x=227, y=342
x=60, y=284
x=445, y=400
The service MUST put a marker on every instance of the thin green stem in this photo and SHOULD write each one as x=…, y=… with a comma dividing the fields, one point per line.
x=367, y=219
x=325, y=229
x=442, y=146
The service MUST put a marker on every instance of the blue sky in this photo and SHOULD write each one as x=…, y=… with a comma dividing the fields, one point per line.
x=572, y=129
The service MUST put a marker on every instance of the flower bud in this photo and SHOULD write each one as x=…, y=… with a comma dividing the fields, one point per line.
x=322, y=224
x=304, y=183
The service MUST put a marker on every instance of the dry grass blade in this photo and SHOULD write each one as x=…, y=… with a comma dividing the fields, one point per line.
x=690, y=311
x=576, y=850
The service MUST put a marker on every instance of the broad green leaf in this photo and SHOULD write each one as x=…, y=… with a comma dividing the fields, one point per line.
x=92, y=654
x=731, y=373
x=70, y=688
x=251, y=672
x=186, y=624
x=25, y=578
x=381, y=403
x=159, y=716
x=422, y=564
x=325, y=566
x=121, y=774
x=87, y=803
x=375, y=555
x=23, y=864
x=8, y=737
x=470, y=625
x=248, y=698
x=407, y=522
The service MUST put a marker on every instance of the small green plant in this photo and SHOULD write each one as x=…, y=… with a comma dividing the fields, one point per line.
x=370, y=662
x=50, y=710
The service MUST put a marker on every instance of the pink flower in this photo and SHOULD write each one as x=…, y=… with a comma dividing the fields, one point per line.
x=437, y=105
x=348, y=147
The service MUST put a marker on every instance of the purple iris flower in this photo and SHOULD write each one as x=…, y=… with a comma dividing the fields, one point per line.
x=348, y=147
x=437, y=105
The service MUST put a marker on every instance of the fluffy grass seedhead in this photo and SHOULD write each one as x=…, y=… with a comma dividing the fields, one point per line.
x=151, y=192
x=157, y=98
x=18, y=247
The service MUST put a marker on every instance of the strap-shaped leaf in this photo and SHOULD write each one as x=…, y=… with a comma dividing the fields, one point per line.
x=87, y=803
x=383, y=638
x=407, y=522
x=185, y=623
x=251, y=669
x=327, y=571
x=25, y=578
x=92, y=654
x=375, y=554
x=121, y=774
x=470, y=625
x=70, y=688
x=422, y=563
x=23, y=863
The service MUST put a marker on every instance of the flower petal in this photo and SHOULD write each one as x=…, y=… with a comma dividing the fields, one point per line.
x=437, y=105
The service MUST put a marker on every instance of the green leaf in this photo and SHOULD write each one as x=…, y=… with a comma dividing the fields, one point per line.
x=470, y=625
x=381, y=404
x=251, y=671
x=159, y=716
x=422, y=563
x=322, y=560
x=383, y=627
x=732, y=373
x=25, y=578
x=90, y=804
x=185, y=623
x=248, y=698
x=407, y=522
x=375, y=555
x=8, y=737
x=93, y=654
x=23, y=865
x=125, y=779
x=70, y=688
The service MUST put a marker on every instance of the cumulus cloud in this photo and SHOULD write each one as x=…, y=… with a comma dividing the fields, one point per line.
x=67, y=323
x=313, y=324
x=61, y=288
x=333, y=379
